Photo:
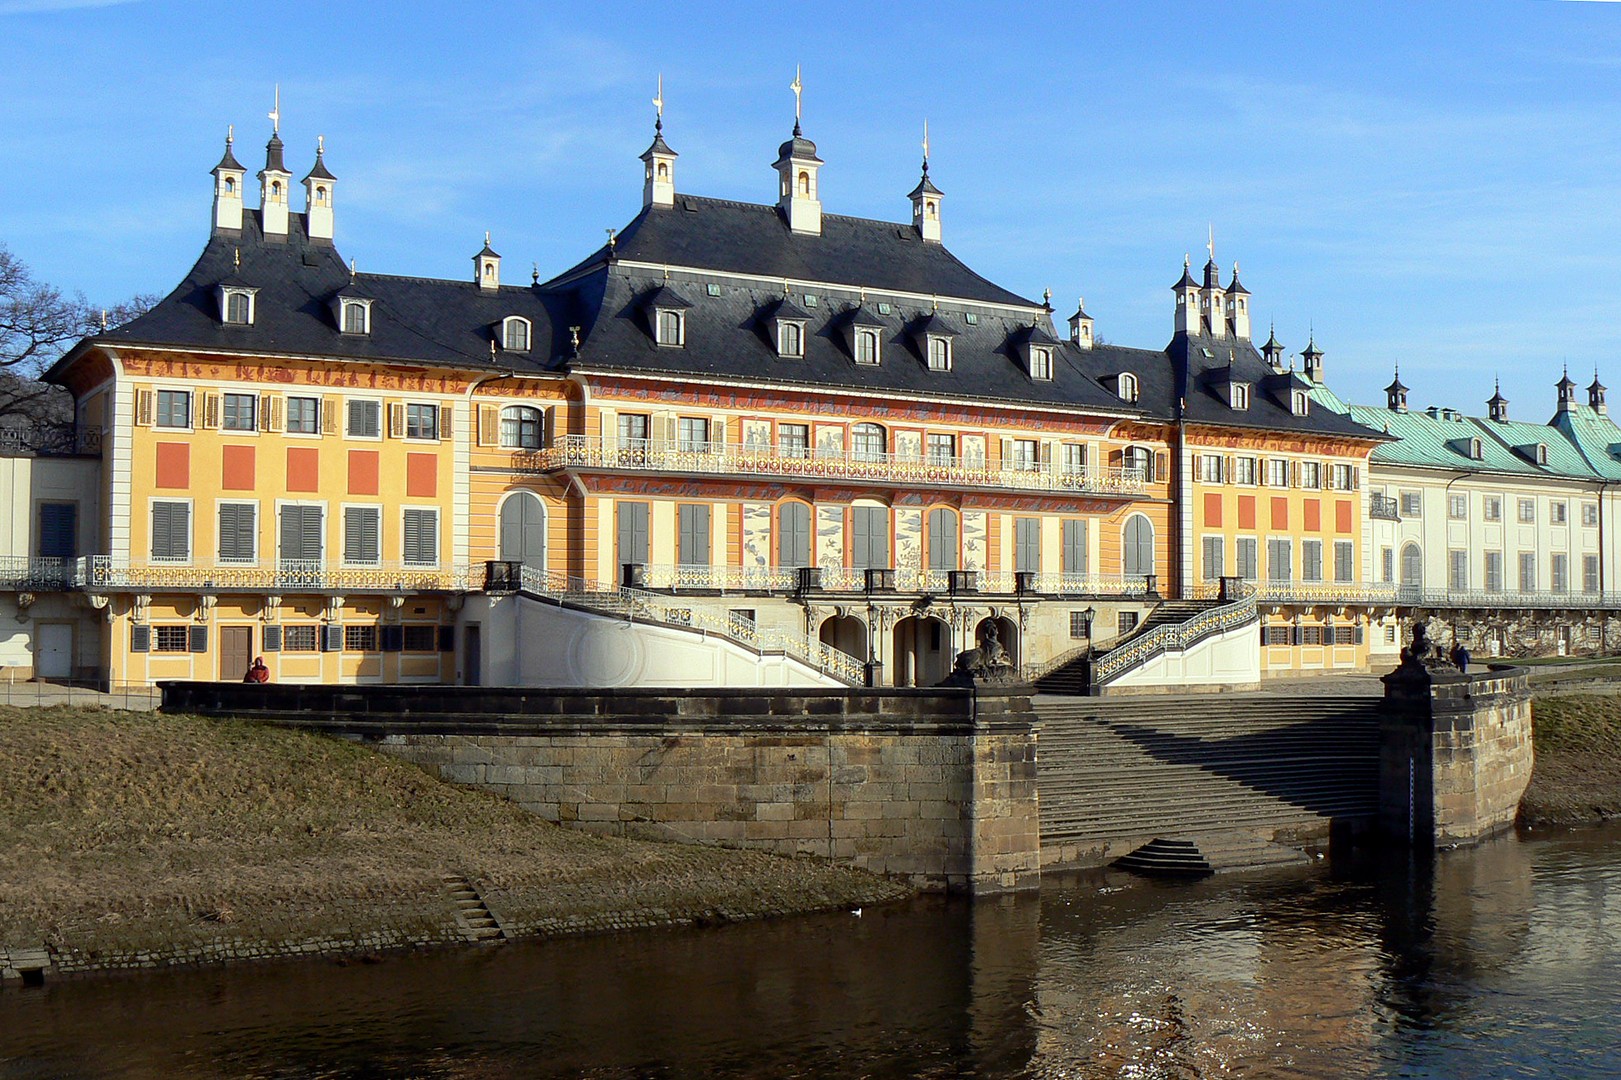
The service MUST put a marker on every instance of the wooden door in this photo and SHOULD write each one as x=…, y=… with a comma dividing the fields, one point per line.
x=236, y=652
x=53, y=655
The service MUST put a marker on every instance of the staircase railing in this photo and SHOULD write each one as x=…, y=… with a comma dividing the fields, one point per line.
x=637, y=605
x=1178, y=637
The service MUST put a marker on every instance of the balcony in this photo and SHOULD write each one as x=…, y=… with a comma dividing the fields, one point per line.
x=103, y=573
x=715, y=459
x=19, y=573
x=842, y=579
x=48, y=440
x=1383, y=507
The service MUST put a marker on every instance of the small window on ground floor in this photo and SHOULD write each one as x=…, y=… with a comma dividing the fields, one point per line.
x=421, y=637
x=360, y=638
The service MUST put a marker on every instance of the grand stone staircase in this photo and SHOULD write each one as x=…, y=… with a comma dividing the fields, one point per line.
x=1229, y=773
x=1074, y=676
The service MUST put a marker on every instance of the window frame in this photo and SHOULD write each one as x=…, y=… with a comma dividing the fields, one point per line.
x=186, y=505
x=349, y=307
x=429, y=514
x=866, y=351
x=376, y=425
x=303, y=401
x=669, y=328
x=414, y=430
x=509, y=326
x=252, y=558
x=227, y=398
x=519, y=419
x=164, y=417
x=938, y=352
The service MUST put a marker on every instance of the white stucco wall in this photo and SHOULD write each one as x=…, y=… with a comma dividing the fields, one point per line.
x=1225, y=659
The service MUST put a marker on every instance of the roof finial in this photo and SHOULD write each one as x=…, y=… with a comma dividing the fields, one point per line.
x=1187, y=260
x=1211, y=247
x=104, y=318
x=1047, y=299
x=486, y=238
x=534, y=273
x=574, y=339
x=1235, y=268
x=936, y=306
x=351, y=270
x=658, y=104
x=611, y=241
x=275, y=113
x=925, y=146
x=236, y=258
x=320, y=145
x=798, y=88
x=230, y=134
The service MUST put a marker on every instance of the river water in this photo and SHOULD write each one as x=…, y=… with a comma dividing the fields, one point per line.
x=1500, y=961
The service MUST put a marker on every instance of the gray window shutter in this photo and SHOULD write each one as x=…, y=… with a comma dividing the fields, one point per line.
x=1027, y=545
x=170, y=521
x=421, y=537
x=1074, y=546
x=58, y=530
x=943, y=545
x=360, y=534
x=859, y=527
x=693, y=523
x=271, y=639
x=332, y=637
x=793, y=535
x=140, y=638
x=199, y=639
x=632, y=532
x=392, y=637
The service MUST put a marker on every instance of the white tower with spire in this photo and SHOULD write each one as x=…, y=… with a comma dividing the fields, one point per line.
x=798, y=196
x=487, y=267
x=228, y=176
x=318, y=187
x=926, y=199
x=1212, y=297
x=274, y=179
x=1238, y=308
x=1188, y=318
x=658, y=187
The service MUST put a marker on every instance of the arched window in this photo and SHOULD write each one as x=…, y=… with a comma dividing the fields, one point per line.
x=943, y=548
x=1139, y=462
x=804, y=183
x=521, y=427
x=793, y=535
x=866, y=347
x=790, y=339
x=868, y=442
x=275, y=189
x=523, y=529
x=515, y=334
x=230, y=184
x=939, y=354
x=664, y=170
x=1128, y=386
x=1137, y=547
x=1412, y=566
x=320, y=196
x=671, y=327
x=354, y=317
x=238, y=307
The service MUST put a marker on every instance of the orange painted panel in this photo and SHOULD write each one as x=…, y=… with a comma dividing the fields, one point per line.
x=1246, y=511
x=303, y=468
x=1314, y=515
x=421, y=475
x=1342, y=515
x=1212, y=509
x=237, y=468
x=174, y=465
x=1280, y=513
x=363, y=472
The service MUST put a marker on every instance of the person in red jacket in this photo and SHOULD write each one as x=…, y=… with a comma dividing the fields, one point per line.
x=258, y=672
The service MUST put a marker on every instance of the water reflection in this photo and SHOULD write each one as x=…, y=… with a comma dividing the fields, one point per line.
x=1491, y=962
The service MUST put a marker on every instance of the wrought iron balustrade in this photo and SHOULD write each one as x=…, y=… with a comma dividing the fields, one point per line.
x=1384, y=507
x=105, y=572
x=20, y=572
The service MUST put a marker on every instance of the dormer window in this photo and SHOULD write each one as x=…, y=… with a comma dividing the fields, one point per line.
x=1476, y=451
x=939, y=353
x=355, y=316
x=866, y=349
x=672, y=327
x=1238, y=396
x=1542, y=453
x=515, y=334
x=1041, y=362
x=1126, y=386
x=1299, y=402
x=237, y=304
x=790, y=338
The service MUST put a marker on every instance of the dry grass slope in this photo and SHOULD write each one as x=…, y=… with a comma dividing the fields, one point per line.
x=124, y=828
x=1577, y=779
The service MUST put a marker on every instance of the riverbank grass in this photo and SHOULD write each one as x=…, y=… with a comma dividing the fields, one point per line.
x=1577, y=779
x=146, y=832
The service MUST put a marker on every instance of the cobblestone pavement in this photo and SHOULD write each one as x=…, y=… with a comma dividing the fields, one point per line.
x=37, y=693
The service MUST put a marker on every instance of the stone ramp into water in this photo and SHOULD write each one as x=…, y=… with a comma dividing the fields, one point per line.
x=1209, y=853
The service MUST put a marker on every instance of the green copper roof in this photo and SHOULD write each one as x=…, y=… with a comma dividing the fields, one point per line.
x=1595, y=436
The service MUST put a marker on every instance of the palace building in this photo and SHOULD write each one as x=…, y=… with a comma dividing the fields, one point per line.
x=738, y=444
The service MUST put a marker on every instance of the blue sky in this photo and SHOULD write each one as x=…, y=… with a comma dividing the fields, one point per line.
x=1436, y=185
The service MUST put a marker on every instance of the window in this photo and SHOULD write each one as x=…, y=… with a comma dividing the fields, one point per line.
x=1126, y=387
x=238, y=306
x=521, y=427
x=1137, y=556
x=1139, y=462
x=1527, y=511
x=515, y=334
x=1559, y=573
x=1387, y=565
x=869, y=537
x=58, y=530
x=1311, y=635
x=939, y=354
x=171, y=531
x=1074, y=458
x=1041, y=362
x=1412, y=565
x=1589, y=513
x=1311, y=475
x=1278, y=635
x=1344, y=635
x=1344, y=560
x=1214, y=550
x=1210, y=468
x=1027, y=545
x=421, y=546
x=1412, y=504
x=304, y=415
x=1244, y=470
x=1279, y=560
x=868, y=442
x=1079, y=626
x=790, y=339
x=419, y=637
x=1590, y=574
x=1277, y=473
x=1494, y=571
x=238, y=532
x=1246, y=549
x=362, y=528
x=793, y=535
x=1341, y=477
x=171, y=639
x=1476, y=450
x=1072, y=547
x=633, y=431
x=421, y=421
x=1311, y=560
x=692, y=540
x=355, y=317
x=1240, y=396
x=1458, y=507
x=866, y=346
x=241, y=412
x=969, y=317
x=1298, y=402
x=360, y=638
x=300, y=638
x=672, y=327
x=632, y=533
x=1126, y=622
x=1024, y=456
x=1491, y=508
x=942, y=449
x=302, y=534
x=793, y=440
x=1458, y=570
x=1528, y=571
x=1558, y=513
x=365, y=419
x=692, y=435
x=174, y=408
x=943, y=545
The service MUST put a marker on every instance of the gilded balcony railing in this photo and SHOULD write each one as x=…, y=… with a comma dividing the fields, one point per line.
x=105, y=572
x=652, y=455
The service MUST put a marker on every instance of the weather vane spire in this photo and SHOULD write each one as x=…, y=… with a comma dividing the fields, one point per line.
x=1211, y=246
x=658, y=104
x=275, y=113
x=798, y=87
x=925, y=144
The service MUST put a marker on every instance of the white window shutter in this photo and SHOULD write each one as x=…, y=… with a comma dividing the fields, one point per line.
x=143, y=408
x=489, y=425
x=396, y=420
x=447, y=421
x=329, y=416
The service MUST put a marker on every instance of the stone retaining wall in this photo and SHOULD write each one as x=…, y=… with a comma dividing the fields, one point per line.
x=937, y=786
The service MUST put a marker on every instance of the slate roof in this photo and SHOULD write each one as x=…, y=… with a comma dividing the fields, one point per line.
x=414, y=320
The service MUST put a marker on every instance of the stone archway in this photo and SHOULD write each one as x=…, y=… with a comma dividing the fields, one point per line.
x=846, y=633
x=922, y=651
x=1007, y=635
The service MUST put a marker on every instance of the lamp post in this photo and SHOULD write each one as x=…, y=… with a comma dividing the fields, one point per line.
x=1087, y=615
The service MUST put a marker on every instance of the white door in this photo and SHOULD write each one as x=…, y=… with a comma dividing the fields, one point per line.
x=53, y=651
